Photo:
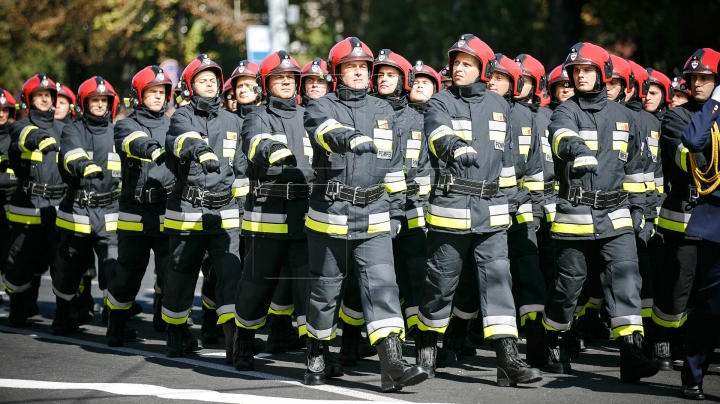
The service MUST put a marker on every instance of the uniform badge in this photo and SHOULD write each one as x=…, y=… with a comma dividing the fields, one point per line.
x=241, y=68
x=654, y=134
x=500, y=146
x=461, y=42
x=622, y=126
x=160, y=76
x=526, y=131
x=231, y=135
x=573, y=54
x=116, y=173
x=414, y=163
x=206, y=61
x=358, y=50
x=101, y=88
x=44, y=83
x=416, y=135
x=384, y=154
x=382, y=124
x=314, y=68
x=381, y=56
x=694, y=64
x=623, y=156
x=547, y=133
x=3, y=100
x=498, y=116
x=419, y=65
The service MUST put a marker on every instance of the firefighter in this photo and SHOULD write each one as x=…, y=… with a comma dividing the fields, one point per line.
x=280, y=174
x=596, y=145
x=87, y=216
x=680, y=260
x=682, y=92
x=356, y=208
x=229, y=102
x=8, y=181
x=202, y=214
x=468, y=212
x=34, y=142
x=65, y=105
x=445, y=77
x=139, y=141
x=314, y=81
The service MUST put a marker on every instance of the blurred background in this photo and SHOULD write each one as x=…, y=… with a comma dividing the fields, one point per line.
x=72, y=40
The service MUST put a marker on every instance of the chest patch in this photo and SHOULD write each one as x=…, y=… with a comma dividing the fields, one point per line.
x=526, y=131
x=416, y=135
x=382, y=124
x=622, y=126
x=654, y=134
x=498, y=116
x=231, y=135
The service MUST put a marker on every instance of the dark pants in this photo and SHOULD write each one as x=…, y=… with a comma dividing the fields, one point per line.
x=546, y=253
x=32, y=251
x=527, y=279
x=674, y=281
x=74, y=253
x=646, y=292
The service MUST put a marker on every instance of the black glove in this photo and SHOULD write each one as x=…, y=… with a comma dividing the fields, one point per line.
x=395, y=227
x=638, y=219
x=210, y=166
x=93, y=171
x=48, y=144
x=465, y=155
x=365, y=145
x=585, y=162
x=280, y=155
x=156, y=153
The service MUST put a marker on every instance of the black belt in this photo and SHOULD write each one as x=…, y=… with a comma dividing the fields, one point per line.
x=146, y=195
x=413, y=188
x=200, y=197
x=46, y=191
x=94, y=200
x=596, y=199
x=8, y=191
x=690, y=194
x=549, y=187
x=356, y=196
x=483, y=189
x=284, y=191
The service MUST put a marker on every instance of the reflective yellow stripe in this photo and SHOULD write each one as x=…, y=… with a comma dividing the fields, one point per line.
x=33, y=156
x=181, y=140
x=533, y=185
x=634, y=187
x=505, y=182
x=240, y=191
x=550, y=217
x=416, y=222
x=175, y=321
x=23, y=136
x=224, y=318
x=91, y=168
x=325, y=227
x=463, y=150
x=350, y=320
x=624, y=330
x=620, y=145
x=302, y=330
x=502, y=220
x=379, y=227
x=683, y=158
x=23, y=219
x=650, y=185
x=669, y=324
x=130, y=226
x=76, y=227
x=646, y=312
x=450, y=223
x=264, y=227
x=255, y=142
x=384, y=332
x=113, y=165
x=523, y=217
x=129, y=139
x=556, y=143
x=423, y=327
x=397, y=186
x=320, y=136
x=622, y=222
x=47, y=142
x=424, y=189
x=111, y=226
x=279, y=154
x=230, y=223
x=285, y=312
x=572, y=228
x=671, y=225
x=179, y=225
x=500, y=329
x=363, y=139
x=252, y=327
x=437, y=135
x=111, y=306
x=207, y=156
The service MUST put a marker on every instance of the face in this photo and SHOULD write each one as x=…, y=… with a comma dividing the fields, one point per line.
x=4, y=115
x=315, y=87
x=679, y=98
x=629, y=94
x=499, y=83
x=654, y=97
x=232, y=105
x=422, y=89
x=702, y=86
x=355, y=74
x=97, y=105
x=446, y=83
x=154, y=98
x=205, y=84
x=282, y=85
x=563, y=90
x=62, y=107
x=387, y=80
x=245, y=90
x=585, y=77
x=466, y=69
x=613, y=88
x=528, y=86
x=42, y=100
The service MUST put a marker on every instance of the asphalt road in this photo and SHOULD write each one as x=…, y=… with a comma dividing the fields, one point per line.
x=36, y=366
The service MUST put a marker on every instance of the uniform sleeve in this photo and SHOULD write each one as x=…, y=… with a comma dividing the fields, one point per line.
x=534, y=177
x=424, y=173
x=508, y=179
x=29, y=137
x=442, y=140
x=241, y=185
x=326, y=132
x=394, y=179
x=72, y=156
x=258, y=145
x=565, y=141
x=696, y=136
x=634, y=180
x=186, y=143
x=133, y=142
x=671, y=140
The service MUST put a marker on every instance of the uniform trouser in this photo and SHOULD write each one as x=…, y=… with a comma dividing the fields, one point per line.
x=466, y=302
x=186, y=256
x=5, y=239
x=133, y=259
x=264, y=258
x=72, y=258
x=210, y=278
x=620, y=280
x=283, y=300
x=410, y=270
x=646, y=292
x=527, y=279
x=487, y=253
x=674, y=280
x=32, y=251
x=704, y=325
x=546, y=253
x=371, y=262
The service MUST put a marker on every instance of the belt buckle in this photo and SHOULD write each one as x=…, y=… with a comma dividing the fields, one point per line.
x=332, y=189
x=287, y=190
x=482, y=189
x=138, y=195
x=693, y=194
x=355, y=191
x=449, y=183
x=255, y=187
x=84, y=198
x=578, y=195
x=595, y=200
x=149, y=193
x=198, y=196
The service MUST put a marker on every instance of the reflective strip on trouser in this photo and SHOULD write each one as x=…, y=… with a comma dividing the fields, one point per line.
x=572, y=224
x=549, y=210
x=625, y=325
x=528, y=284
x=186, y=255
x=10, y=288
x=114, y=304
x=25, y=216
x=225, y=313
x=370, y=260
x=415, y=218
x=524, y=213
x=446, y=255
x=264, y=259
x=348, y=315
x=448, y=217
x=619, y=277
x=264, y=222
x=283, y=301
x=646, y=291
x=129, y=222
x=466, y=302
x=74, y=253
x=673, y=281
x=73, y=222
x=31, y=251
x=410, y=270
x=183, y=220
x=671, y=220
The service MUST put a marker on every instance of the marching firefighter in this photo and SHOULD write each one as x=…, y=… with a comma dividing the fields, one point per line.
x=65, y=105
x=468, y=212
x=34, y=142
x=314, y=81
x=356, y=208
x=8, y=181
x=279, y=171
x=202, y=214
x=87, y=216
x=139, y=140
x=681, y=93
x=596, y=146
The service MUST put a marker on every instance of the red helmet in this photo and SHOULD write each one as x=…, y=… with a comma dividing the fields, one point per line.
x=557, y=75
x=655, y=77
x=386, y=57
x=203, y=62
x=227, y=92
x=679, y=84
x=245, y=69
x=315, y=68
x=533, y=68
x=445, y=73
x=149, y=77
x=473, y=46
x=621, y=70
x=639, y=75
x=703, y=61
x=36, y=83
x=350, y=48
x=96, y=85
x=421, y=69
x=545, y=100
x=277, y=62
x=66, y=92
x=8, y=101
x=585, y=53
x=508, y=67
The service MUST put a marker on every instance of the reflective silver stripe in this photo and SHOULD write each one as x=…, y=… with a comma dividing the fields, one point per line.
x=449, y=212
x=652, y=141
x=621, y=135
x=496, y=320
x=531, y=308
x=461, y=124
x=525, y=140
x=15, y=288
x=175, y=314
x=625, y=320
x=555, y=325
x=327, y=218
x=649, y=177
x=413, y=213
x=443, y=322
x=618, y=214
x=320, y=334
x=394, y=176
x=115, y=302
x=329, y=122
x=80, y=219
x=183, y=216
x=376, y=218
x=111, y=217
x=596, y=301
x=674, y=216
x=507, y=171
x=132, y=137
x=679, y=154
x=301, y=320
x=411, y=311
x=264, y=217
x=667, y=317
x=463, y=315
x=414, y=144
x=225, y=309
x=549, y=208
x=249, y=323
x=424, y=180
x=395, y=322
x=129, y=217
x=306, y=142
x=229, y=144
x=351, y=313
x=535, y=177
x=113, y=157
x=280, y=138
x=524, y=208
x=573, y=219
x=24, y=211
x=499, y=209
x=639, y=177
x=440, y=129
x=498, y=126
x=208, y=301
x=182, y=137
x=658, y=181
x=230, y=214
x=63, y=295
x=240, y=182
x=585, y=134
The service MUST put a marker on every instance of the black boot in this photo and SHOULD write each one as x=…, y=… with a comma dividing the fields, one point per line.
x=276, y=334
x=454, y=337
x=158, y=323
x=573, y=344
x=426, y=351
x=129, y=334
x=535, y=347
x=395, y=373
x=190, y=343
x=591, y=326
x=242, y=356
x=365, y=350
x=208, y=330
x=557, y=359
x=86, y=299
x=320, y=364
x=349, y=345
x=116, y=328
x=62, y=324
x=292, y=341
x=511, y=370
x=633, y=365
x=175, y=335
x=17, y=315
x=31, y=306
x=692, y=392
x=662, y=350
x=228, y=328
x=650, y=337
x=476, y=335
